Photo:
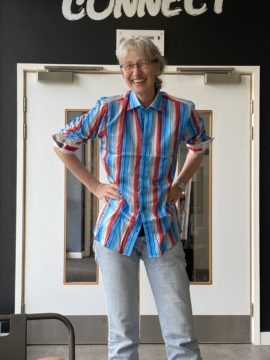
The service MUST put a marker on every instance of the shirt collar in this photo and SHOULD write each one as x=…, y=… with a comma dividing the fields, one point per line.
x=157, y=103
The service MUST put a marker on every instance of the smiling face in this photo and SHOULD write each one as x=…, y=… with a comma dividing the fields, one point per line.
x=141, y=79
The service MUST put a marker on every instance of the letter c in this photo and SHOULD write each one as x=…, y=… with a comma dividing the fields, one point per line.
x=66, y=10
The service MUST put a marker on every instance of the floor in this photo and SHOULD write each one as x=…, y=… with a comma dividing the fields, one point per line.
x=155, y=352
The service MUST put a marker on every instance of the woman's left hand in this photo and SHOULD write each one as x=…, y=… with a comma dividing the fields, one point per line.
x=174, y=194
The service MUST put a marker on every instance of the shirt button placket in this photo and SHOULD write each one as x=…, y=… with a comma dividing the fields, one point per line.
x=142, y=122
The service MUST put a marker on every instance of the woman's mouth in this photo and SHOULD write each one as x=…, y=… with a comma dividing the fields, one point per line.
x=138, y=81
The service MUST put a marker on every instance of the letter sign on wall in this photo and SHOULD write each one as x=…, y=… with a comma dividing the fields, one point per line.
x=77, y=9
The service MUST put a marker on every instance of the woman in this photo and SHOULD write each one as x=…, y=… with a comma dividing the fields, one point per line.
x=140, y=133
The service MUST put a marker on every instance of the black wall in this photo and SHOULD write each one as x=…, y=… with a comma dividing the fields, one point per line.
x=35, y=31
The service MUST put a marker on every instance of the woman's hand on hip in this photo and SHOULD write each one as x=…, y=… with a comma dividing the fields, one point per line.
x=107, y=191
x=174, y=194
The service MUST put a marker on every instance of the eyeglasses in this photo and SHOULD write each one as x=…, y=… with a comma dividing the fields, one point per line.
x=126, y=68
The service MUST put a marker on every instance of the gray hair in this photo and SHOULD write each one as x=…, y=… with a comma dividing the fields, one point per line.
x=145, y=47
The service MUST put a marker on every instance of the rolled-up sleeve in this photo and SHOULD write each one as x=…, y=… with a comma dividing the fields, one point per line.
x=194, y=134
x=82, y=128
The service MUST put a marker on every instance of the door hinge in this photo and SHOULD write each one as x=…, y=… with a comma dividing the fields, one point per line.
x=24, y=130
x=252, y=106
x=252, y=309
x=24, y=104
x=252, y=132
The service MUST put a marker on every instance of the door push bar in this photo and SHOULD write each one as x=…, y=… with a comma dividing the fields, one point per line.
x=13, y=346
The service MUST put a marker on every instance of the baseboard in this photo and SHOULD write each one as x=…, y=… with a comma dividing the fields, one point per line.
x=265, y=338
x=93, y=330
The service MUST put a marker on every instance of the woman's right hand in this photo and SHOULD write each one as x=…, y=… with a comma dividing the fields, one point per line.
x=107, y=191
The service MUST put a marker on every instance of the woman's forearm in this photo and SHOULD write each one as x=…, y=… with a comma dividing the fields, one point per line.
x=78, y=170
x=100, y=190
x=190, y=166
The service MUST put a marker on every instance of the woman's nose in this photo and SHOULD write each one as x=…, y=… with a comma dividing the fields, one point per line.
x=136, y=69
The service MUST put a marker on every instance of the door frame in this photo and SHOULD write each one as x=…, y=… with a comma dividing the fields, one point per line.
x=254, y=72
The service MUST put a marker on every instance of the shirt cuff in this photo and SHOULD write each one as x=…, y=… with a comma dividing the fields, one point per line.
x=200, y=147
x=65, y=145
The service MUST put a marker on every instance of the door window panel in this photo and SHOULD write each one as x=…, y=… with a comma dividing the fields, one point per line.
x=81, y=214
x=196, y=214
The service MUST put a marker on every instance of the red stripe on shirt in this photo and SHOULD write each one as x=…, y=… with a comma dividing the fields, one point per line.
x=103, y=112
x=70, y=148
x=101, y=214
x=76, y=127
x=169, y=212
x=168, y=97
x=155, y=176
x=194, y=149
x=171, y=237
x=112, y=220
x=127, y=232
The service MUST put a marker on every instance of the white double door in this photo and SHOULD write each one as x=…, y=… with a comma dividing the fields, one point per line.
x=41, y=207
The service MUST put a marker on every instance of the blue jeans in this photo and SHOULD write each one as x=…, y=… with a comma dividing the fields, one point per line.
x=170, y=286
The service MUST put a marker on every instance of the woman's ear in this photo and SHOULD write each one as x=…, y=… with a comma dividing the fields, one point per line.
x=158, y=68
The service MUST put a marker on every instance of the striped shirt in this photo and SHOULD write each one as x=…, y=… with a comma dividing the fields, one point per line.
x=138, y=148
